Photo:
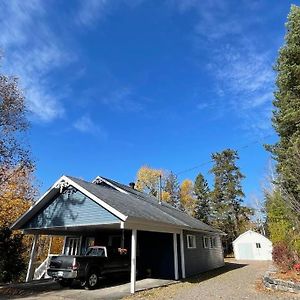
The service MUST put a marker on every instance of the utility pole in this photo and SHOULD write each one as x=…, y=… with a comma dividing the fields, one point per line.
x=159, y=190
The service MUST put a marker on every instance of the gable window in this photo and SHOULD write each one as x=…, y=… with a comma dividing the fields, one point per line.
x=206, y=242
x=191, y=241
x=258, y=246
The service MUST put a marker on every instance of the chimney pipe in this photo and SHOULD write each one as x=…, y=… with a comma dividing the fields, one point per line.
x=132, y=185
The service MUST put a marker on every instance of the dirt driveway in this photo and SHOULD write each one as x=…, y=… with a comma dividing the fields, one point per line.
x=236, y=280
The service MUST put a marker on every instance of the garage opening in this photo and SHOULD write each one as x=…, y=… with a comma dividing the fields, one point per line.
x=155, y=255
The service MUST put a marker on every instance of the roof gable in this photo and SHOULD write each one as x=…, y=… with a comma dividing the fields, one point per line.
x=248, y=233
x=70, y=208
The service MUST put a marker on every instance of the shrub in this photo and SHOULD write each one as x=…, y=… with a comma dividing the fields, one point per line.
x=11, y=255
x=297, y=268
x=283, y=257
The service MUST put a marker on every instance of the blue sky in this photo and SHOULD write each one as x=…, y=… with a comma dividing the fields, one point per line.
x=114, y=85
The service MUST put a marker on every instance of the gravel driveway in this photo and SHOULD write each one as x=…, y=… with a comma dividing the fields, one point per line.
x=236, y=280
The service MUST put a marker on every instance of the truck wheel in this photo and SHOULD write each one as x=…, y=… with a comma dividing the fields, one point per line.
x=92, y=280
x=65, y=282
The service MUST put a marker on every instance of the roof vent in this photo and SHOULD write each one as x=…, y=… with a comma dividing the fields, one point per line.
x=132, y=185
x=98, y=180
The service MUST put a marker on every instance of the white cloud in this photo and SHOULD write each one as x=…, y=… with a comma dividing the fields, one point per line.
x=31, y=52
x=202, y=105
x=86, y=125
x=90, y=11
x=247, y=78
x=244, y=76
x=124, y=99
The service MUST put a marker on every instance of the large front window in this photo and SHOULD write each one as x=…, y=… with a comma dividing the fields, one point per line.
x=72, y=246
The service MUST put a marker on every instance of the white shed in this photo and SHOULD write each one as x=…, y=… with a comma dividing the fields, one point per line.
x=252, y=246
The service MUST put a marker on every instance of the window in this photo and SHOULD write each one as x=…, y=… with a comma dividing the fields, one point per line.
x=96, y=252
x=258, y=246
x=214, y=242
x=206, y=242
x=72, y=246
x=191, y=241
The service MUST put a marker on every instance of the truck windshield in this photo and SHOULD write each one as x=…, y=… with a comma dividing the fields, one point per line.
x=95, y=252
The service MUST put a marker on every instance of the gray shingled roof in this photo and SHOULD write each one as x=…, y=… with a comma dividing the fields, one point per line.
x=140, y=205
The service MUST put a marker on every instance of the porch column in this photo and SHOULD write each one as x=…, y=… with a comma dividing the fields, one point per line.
x=175, y=256
x=182, y=254
x=50, y=245
x=30, y=270
x=133, y=260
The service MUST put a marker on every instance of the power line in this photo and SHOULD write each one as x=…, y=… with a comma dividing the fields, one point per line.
x=211, y=161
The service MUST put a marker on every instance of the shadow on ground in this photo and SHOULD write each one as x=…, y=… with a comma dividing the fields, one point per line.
x=229, y=266
x=33, y=288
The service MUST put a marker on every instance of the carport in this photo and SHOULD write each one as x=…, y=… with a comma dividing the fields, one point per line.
x=69, y=210
x=160, y=240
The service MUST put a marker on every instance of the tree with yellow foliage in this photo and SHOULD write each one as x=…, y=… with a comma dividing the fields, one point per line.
x=148, y=180
x=187, y=198
x=16, y=169
x=16, y=196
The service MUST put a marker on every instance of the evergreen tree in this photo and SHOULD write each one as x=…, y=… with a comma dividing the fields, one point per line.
x=227, y=197
x=202, y=192
x=171, y=187
x=286, y=116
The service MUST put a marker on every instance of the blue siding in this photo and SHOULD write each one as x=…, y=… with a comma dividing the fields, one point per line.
x=71, y=209
x=202, y=259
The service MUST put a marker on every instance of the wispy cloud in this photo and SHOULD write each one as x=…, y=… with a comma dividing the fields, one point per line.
x=31, y=52
x=86, y=125
x=91, y=11
x=124, y=99
x=244, y=77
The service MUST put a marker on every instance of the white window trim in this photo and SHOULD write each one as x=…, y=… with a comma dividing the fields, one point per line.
x=194, y=245
x=206, y=245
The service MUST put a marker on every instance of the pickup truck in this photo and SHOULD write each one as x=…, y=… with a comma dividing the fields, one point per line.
x=97, y=263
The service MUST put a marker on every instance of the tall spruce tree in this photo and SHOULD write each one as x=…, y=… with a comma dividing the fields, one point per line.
x=202, y=192
x=286, y=116
x=227, y=196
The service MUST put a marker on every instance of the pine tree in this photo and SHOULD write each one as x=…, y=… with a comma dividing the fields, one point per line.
x=227, y=196
x=202, y=192
x=286, y=116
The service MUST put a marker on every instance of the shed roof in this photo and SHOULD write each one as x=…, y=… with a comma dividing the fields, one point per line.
x=247, y=233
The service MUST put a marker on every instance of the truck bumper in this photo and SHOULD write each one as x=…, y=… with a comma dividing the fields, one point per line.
x=59, y=274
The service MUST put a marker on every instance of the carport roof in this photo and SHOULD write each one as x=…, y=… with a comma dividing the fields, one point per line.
x=124, y=202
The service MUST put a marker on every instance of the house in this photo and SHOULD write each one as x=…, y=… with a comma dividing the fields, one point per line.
x=161, y=240
x=252, y=246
